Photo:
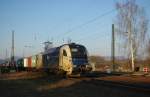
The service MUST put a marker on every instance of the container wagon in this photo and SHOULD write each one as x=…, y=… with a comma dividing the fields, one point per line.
x=25, y=63
x=33, y=61
x=29, y=63
x=39, y=60
x=20, y=64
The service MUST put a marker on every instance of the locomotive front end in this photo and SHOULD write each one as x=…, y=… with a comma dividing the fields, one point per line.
x=79, y=58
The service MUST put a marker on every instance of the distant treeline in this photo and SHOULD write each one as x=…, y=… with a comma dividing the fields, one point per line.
x=98, y=60
x=120, y=64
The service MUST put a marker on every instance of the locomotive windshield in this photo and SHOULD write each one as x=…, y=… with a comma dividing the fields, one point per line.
x=78, y=51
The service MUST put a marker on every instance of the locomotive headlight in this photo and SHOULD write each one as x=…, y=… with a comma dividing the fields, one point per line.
x=87, y=66
x=74, y=66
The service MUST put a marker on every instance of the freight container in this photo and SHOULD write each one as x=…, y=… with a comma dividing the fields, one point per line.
x=25, y=63
x=29, y=62
x=39, y=64
x=20, y=64
x=34, y=61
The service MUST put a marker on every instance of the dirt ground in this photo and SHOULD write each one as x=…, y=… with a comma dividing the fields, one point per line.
x=37, y=84
x=128, y=79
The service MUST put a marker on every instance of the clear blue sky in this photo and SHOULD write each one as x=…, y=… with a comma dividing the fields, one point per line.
x=36, y=21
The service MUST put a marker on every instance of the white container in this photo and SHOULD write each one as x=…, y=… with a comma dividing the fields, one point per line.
x=25, y=62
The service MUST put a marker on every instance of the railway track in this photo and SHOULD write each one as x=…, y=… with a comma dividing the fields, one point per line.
x=94, y=79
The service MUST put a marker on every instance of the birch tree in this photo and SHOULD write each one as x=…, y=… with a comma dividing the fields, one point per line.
x=131, y=28
x=148, y=52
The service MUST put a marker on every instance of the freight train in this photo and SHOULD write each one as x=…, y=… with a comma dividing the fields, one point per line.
x=67, y=59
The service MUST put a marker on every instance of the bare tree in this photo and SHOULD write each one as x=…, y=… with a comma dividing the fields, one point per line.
x=131, y=28
x=148, y=52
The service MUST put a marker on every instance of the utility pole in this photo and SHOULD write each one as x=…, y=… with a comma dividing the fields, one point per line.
x=12, y=50
x=113, y=48
x=6, y=55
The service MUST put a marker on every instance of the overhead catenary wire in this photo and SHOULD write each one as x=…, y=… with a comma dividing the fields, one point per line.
x=90, y=21
x=87, y=22
x=62, y=35
x=89, y=35
x=105, y=14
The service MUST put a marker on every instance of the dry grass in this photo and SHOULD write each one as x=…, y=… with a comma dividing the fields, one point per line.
x=128, y=79
x=21, y=75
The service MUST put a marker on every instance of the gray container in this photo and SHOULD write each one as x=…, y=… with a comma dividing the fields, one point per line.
x=39, y=61
x=34, y=61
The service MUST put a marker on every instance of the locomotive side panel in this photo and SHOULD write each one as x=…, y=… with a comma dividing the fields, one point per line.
x=65, y=59
x=51, y=59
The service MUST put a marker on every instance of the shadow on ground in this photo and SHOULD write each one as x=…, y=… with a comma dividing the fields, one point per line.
x=52, y=86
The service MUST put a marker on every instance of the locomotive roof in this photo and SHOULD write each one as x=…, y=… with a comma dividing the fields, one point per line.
x=55, y=49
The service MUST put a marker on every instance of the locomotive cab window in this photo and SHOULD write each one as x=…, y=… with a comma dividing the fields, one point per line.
x=78, y=51
x=48, y=57
x=64, y=53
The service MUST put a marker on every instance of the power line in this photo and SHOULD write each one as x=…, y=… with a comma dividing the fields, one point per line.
x=88, y=22
x=12, y=48
x=92, y=20
x=89, y=36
